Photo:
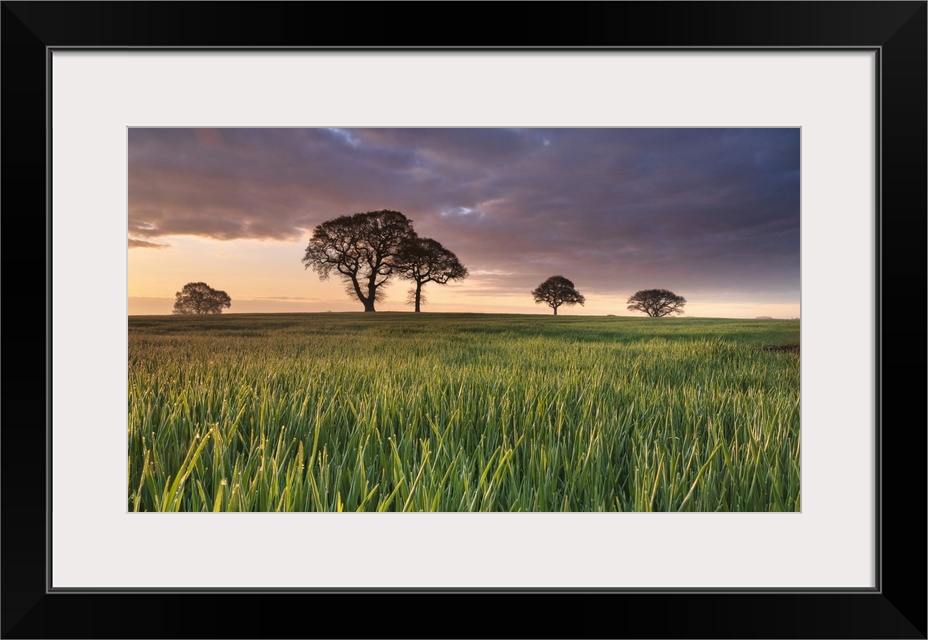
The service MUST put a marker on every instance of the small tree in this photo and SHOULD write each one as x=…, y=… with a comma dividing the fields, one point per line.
x=198, y=298
x=424, y=260
x=657, y=303
x=557, y=290
x=361, y=249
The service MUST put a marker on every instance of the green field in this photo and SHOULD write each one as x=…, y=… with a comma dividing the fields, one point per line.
x=462, y=412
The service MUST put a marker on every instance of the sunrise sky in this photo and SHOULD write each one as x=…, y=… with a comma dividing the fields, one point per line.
x=711, y=214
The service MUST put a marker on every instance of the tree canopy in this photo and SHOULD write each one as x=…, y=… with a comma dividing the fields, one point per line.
x=198, y=298
x=657, y=303
x=425, y=260
x=557, y=291
x=361, y=249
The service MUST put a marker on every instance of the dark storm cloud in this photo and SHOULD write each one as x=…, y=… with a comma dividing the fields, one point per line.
x=611, y=209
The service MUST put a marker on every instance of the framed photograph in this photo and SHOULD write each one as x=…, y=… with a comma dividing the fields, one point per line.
x=104, y=87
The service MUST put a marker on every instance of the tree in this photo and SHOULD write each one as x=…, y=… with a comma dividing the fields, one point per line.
x=657, y=303
x=424, y=260
x=557, y=290
x=361, y=249
x=198, y=298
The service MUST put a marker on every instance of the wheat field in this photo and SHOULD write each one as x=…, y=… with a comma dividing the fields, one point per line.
x=462, y=412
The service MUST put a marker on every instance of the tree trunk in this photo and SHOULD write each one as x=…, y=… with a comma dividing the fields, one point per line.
x=418, y=297
x=555, y=310
x=371, y=293
x=368, y=302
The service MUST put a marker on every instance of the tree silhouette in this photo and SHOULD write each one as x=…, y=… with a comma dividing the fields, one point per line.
x=556, y=291
x=198, y=298
x=361, y=249
x=424, y=260
x=657, y=303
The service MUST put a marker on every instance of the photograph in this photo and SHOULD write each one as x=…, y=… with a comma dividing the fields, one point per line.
x=573, y=319
x=581, y=307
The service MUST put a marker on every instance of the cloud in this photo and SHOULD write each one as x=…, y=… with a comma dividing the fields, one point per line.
x=611, y=208
x=135, y=243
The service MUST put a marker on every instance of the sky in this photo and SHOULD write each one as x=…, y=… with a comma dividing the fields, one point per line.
x=710, y=214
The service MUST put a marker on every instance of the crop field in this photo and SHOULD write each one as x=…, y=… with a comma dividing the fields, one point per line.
x=462, y=412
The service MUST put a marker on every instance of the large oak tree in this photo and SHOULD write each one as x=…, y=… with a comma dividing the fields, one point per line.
x=657, y=303
x=557, y=291
x=361, y=249
x=198, y=298
x=424, y=260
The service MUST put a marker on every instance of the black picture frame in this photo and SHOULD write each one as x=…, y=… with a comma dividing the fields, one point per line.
x=896, y=608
